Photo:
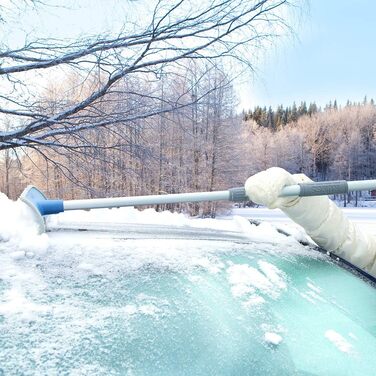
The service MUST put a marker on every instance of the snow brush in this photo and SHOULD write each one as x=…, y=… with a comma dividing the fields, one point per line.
x=42, y=206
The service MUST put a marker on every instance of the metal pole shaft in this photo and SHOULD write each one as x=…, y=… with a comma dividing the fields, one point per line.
x=362, y=185
x=145, y=200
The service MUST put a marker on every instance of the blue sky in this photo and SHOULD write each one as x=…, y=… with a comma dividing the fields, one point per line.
x=334, y=57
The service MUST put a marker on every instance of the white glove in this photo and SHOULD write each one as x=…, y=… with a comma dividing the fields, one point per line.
x=324, y=222
x=264, y=187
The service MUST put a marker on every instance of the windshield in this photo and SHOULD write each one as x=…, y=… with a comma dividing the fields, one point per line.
x=184, y=307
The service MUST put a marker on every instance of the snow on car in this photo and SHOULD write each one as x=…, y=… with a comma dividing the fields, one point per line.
x=133, y=292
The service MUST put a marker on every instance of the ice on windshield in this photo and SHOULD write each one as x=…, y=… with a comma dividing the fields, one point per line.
x=95, y=303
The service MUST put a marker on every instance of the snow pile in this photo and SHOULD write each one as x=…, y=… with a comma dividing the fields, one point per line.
x=19, y=235
x=130, y=215
x=110, y=218
x=18, y=227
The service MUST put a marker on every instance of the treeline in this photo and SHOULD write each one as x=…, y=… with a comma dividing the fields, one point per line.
x=328, y=145
x=275, y=119
x=200, y=145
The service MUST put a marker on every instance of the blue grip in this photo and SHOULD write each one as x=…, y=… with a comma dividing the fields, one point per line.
x=46, y=207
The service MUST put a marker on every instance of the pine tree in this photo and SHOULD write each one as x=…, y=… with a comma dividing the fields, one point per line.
x=279, y=117
x=285, y=116
x=329, y=106
x=244, y=115
x=257, y=115
x=302, y=109
x=264, y=117
x=270, y=119
x=293, y=113
x=312, y=109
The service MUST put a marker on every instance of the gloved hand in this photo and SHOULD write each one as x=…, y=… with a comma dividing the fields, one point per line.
x=265, y=187
x=323, y=221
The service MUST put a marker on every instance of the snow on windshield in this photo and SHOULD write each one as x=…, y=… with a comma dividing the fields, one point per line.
x=24, y=251
x=102, y=302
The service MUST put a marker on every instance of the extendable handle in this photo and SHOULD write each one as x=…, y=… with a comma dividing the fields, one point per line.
x=327, y=188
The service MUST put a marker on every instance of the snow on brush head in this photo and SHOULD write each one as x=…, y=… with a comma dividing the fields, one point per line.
x=19, y=227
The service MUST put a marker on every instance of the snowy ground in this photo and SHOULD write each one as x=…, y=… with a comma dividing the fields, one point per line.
x=364, y=217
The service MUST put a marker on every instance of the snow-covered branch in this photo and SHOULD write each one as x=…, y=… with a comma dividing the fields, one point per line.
x=177, y=31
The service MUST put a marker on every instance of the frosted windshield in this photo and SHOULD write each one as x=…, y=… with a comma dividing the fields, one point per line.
x=184, y=307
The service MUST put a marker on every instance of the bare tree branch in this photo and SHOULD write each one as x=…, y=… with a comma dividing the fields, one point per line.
x=175, y=33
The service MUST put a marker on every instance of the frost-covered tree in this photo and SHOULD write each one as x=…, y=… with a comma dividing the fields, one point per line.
x=158, y=39
x=334, y=144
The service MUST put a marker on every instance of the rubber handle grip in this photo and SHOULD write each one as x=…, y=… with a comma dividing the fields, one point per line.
x=323, y=188
x=238, y=194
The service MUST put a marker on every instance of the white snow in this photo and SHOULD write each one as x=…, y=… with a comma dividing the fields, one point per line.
x=275, y=275
x=254, y=301
x=307, y=297
x=19, y=228
x=130, y=215
x=29, y=261
x=100, y=253
x=314, y=287
x=240, y=289
x=14, y=302
x=245, y=279
x=364, y=217
x=340, y=342
x=272, y=338
x=146, y=309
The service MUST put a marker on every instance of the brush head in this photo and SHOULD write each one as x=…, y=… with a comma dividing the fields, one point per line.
x=32, y=196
